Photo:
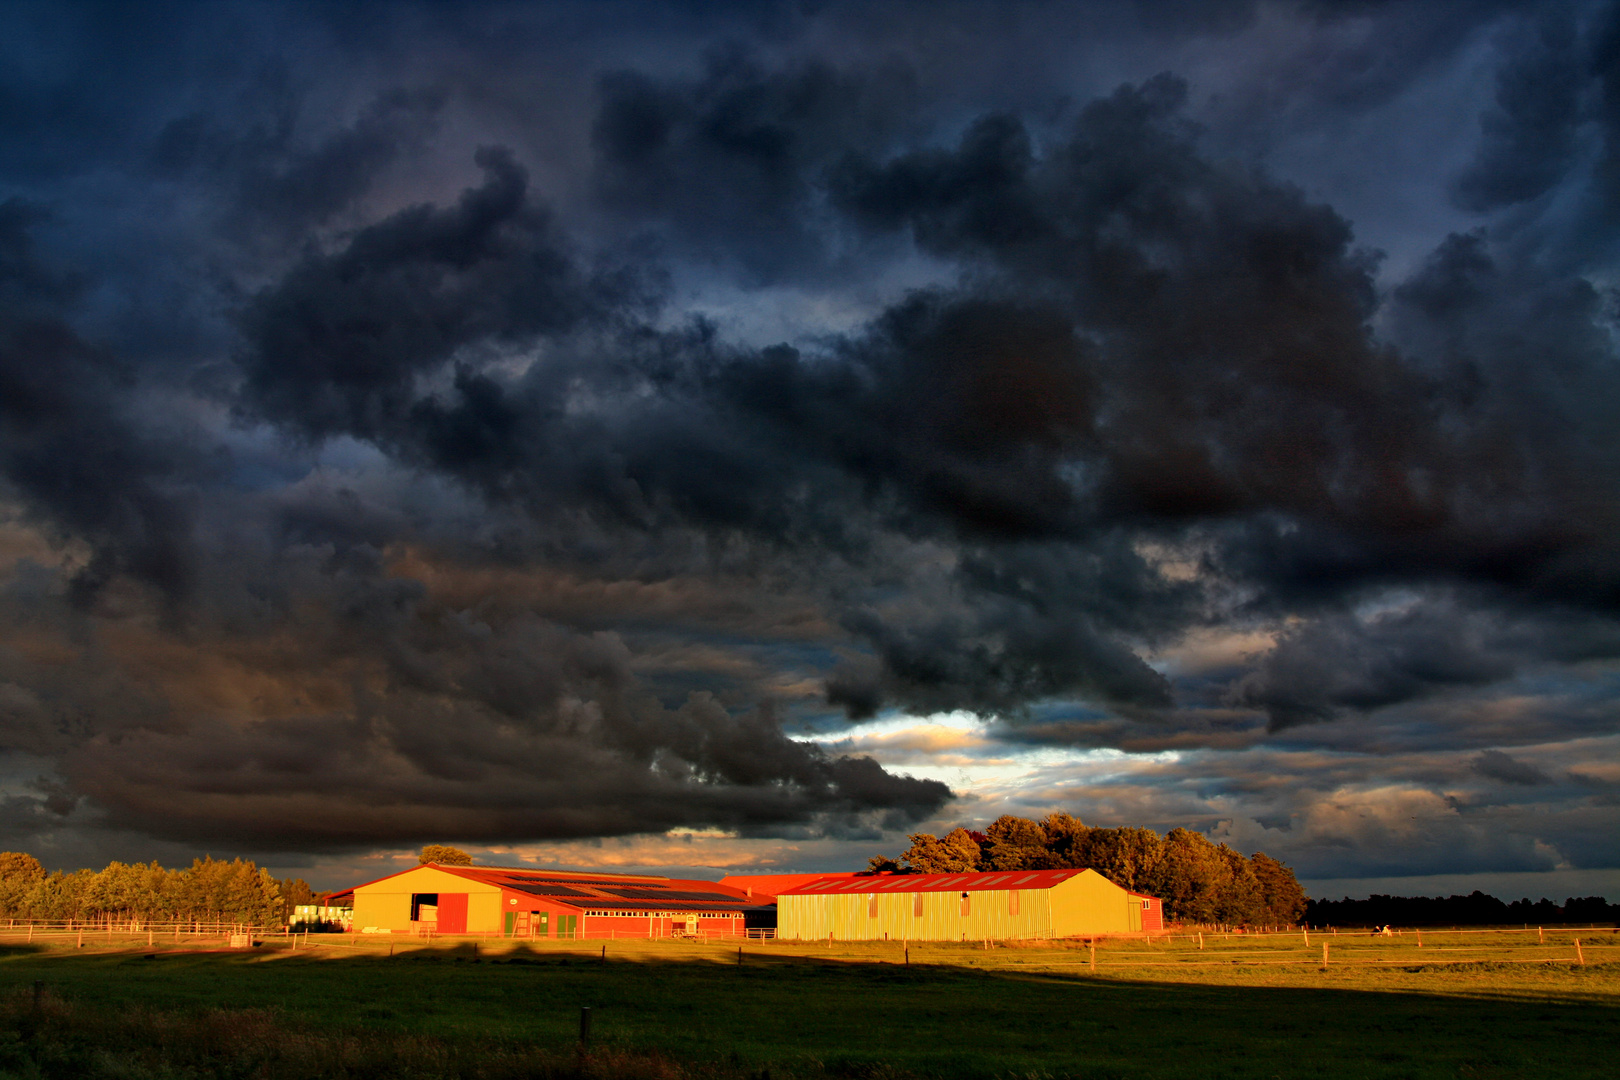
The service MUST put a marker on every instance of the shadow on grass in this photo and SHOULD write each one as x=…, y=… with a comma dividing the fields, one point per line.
x=434, y=1011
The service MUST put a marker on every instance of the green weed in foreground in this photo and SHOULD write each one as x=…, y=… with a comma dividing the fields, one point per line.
x=676, y=1012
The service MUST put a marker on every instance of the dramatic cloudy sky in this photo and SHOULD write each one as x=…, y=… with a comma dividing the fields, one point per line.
x=736, y=436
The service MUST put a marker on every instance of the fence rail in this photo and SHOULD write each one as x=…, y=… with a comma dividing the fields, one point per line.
x=128, y=930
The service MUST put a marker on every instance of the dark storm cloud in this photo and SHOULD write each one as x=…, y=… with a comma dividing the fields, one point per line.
x=337, y=344
x=280, y=185
x=1229, y=314
x=1192, y=343
x=728, y=161
x=1335, y=664
x=512, y=542
x=1529, y=138
x=67, y=444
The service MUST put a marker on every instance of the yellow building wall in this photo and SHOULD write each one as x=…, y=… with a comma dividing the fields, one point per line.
x=387, y=904
x=1085, y=904
x=848, y=916
x=483, y=911
x=1089, y=903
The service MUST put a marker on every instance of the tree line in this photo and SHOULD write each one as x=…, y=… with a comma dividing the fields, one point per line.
x=209, y=890
x=1475, y=909
x=1199, y=881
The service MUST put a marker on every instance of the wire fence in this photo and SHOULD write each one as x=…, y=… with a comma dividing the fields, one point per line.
x=1408, y=947
x=1176, y=948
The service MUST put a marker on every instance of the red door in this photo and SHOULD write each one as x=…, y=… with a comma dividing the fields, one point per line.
x=452, y=913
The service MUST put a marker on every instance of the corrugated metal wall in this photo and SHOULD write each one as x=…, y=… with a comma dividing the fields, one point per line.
x=893, y=916
x=1085, y=904
x=1089, y=903
x=387, y=903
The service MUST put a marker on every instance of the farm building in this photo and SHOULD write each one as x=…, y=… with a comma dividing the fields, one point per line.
x=1152, y=912
x=524, y=902
x=960, y=907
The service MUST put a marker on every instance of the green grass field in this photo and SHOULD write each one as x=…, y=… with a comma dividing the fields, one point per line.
x=1461, y=1006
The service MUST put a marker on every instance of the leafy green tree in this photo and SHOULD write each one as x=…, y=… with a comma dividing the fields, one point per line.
x=294, y=892
x=444, y=855
x=1063, y=832
x=1282, y=897
x=235, y=891
x=1129, y=857
x=1240, y=901
x=1198, y=880
x=20, y=865
x=882, y=864
x=1015, y=844
x=956, y=853
x=1190, y=876
x=59, y=897
x=19, y=874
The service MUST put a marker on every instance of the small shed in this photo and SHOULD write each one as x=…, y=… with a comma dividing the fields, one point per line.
x=1152, y=912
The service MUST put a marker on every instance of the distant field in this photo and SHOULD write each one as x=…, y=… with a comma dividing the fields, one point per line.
x=1462, y=1005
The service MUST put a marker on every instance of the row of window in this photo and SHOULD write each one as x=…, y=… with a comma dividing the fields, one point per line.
x=917, y=904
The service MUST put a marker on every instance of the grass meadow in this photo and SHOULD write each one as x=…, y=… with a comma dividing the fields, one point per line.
x=1461, y=1005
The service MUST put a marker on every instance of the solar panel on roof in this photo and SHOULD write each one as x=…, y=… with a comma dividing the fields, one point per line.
x=659, y=895
x=1026, y=877
x=542, y=888
x=507, y=878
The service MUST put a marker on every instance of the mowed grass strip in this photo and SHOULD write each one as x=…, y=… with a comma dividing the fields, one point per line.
x=675, y=1009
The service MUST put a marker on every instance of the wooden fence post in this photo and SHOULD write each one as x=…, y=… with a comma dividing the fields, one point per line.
x=1579, y=959
x=1093, y=956
x=585, y=1027
x=1307, y=934
x=1420, y=938
x=1541, y=938
x=1324, y=956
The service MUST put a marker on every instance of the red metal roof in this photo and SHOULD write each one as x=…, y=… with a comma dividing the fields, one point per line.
x=597, y=890
x=902, y=883
x=770, y=886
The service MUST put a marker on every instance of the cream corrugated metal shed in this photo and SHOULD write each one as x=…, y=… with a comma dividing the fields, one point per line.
x=959, y=907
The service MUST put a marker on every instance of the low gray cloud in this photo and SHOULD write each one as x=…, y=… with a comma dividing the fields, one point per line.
x=1499, y=766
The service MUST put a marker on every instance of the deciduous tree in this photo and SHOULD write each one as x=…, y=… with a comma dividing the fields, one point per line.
x=1015, y=844
x=956, y=853
x=444, y=855
x=1282, y=897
